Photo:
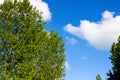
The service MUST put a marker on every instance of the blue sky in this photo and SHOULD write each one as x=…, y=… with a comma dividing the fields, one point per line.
x=88, y=28
x=85, y=56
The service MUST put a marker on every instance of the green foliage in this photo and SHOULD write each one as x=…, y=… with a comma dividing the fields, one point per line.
x=98, y=77
x=27, y=51
x=114, y=74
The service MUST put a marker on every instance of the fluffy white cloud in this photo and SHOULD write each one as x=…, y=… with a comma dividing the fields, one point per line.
x=41, y=6
x=71, y=41
x=100, y=34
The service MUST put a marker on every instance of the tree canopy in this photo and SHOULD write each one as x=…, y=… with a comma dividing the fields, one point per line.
x=27, y=50
x=114, y=74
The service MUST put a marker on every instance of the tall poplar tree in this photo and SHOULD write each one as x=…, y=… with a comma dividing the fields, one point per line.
x=114, y=74
x=27, y=51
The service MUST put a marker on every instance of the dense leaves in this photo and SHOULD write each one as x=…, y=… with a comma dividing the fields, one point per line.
x=27, y=51
x=114, y=74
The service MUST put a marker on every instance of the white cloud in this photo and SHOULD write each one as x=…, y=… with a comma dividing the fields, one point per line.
x=100, y=34
x=71, y=41
x=1, y=1
x=41, y=6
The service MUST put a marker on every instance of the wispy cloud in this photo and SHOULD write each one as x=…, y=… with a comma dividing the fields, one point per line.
x=67, y=66
x=83, y=58
x=100, y=34
x=41, y=6
x=71, y=41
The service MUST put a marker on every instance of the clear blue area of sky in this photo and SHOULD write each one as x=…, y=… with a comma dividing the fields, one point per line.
x=84, y=61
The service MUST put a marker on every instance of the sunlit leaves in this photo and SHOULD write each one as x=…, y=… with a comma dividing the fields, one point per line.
x=27, y=51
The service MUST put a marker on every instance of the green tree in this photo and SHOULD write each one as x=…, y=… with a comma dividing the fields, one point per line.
x=27, y=51
x=114, y=74
x=98, y=77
